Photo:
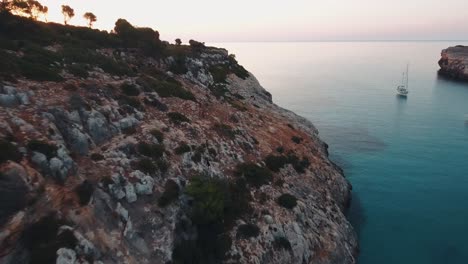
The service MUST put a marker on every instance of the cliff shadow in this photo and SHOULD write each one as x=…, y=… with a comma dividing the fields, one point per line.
x=356, y=214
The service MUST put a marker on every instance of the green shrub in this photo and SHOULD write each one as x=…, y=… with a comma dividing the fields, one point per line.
x=254, y=174
x=157, y=134
x=237, y=69
x=166, y=88
x=131, y=101
x=219, y=73
x=8, y=151
x=146, y=165
x=218, y=89
x=247, y=231
x=97, y=157
x=42, y=239
x=43, y=147
x=209, y=198
x=79, y=70
x=197, y=156
x=300, y=165
x=287, y=201
x=182, y=148
x=38, y=72
x=178, y=118
x=170, y=194
x=275, y=163
x=282, y=243
x=84, y=191
x=129, y=89
x=225, y=130
x=280, y=149
x=154, y=151
x=216, y=205
x=163, y=166
x=178, y=67
x=296, y=139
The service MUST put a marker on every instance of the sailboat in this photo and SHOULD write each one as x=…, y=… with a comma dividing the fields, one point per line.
x=402, y=89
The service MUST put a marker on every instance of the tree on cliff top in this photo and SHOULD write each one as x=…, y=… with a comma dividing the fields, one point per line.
x=28, y=8
x=68, y=13
x=91, y=18
x=145, y=38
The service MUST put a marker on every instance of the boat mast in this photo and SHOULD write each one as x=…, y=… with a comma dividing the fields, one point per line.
x=407, y=70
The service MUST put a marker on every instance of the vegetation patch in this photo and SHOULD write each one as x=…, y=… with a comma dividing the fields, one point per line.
x=146, y=165
x=247, y=231
x=85, y=191
x=130, y=101
x=165, y=88
x=218, y=89
x=129, y=89
x=79, y=70
x=182, y=148
x=43, y=147
x=287, y=201
x=43, y=240
x=297, y=139
x=225, y=130
x=156, y=133
x=282, y=243
x=255, y=175
x=276, y=162
x=178, y=118
x=217, y=203
x=170, y=194
x=97, y=157
x=154, y=151
x=8, y=151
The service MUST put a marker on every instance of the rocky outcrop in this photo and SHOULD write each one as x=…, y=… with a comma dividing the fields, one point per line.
x=454, y=63
x=136, y=154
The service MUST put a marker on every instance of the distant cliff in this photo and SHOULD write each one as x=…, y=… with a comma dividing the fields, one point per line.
x=113, y=151
x=454, y=63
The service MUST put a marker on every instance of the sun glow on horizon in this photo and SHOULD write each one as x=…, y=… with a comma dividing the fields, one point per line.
x=295, y=20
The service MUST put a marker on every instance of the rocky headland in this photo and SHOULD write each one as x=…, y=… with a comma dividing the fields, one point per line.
x=454, y=63
x=117, y=152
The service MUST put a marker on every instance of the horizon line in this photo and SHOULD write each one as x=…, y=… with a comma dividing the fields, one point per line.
x=337, y=40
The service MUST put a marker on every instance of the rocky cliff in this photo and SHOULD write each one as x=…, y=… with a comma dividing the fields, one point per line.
x=186, y=160
x=454, y=63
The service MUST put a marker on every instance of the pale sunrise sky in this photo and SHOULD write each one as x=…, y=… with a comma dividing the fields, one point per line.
x=290, y=20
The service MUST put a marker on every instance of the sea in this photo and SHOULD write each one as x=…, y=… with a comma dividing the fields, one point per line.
x=407, y=158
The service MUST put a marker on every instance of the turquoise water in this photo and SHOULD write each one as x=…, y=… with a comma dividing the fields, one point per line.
x=406, y=158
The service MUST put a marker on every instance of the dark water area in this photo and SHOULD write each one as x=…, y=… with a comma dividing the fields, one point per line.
x=407, y=158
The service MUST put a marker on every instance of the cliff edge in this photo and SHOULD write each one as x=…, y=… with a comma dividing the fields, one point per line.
x=454, y=63
x=111, y=154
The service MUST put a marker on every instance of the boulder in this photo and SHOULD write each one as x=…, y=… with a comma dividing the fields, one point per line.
x=98, y=127
x=145, y=186
x=66, y=256
x=8, y=100
x=40, y=160
x=130, y=193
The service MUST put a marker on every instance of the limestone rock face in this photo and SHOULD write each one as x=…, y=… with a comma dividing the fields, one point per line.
x=454, y=63
x=139, y=153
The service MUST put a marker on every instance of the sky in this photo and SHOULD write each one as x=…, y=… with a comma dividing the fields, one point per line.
x=287, y=20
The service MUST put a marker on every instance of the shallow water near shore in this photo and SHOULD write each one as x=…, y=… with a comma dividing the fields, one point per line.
x=407, y=158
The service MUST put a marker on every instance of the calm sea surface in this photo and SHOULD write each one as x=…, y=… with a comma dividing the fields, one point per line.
x=406, y=158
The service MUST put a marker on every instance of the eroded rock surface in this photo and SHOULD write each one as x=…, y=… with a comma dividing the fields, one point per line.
x=137, y=156
x=454, y=63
